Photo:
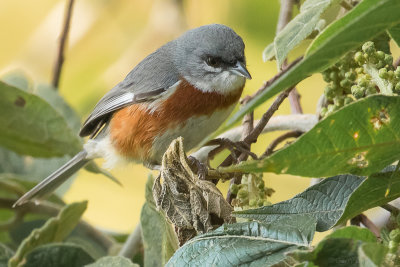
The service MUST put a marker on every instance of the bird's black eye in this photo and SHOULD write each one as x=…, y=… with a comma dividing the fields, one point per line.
x=212, y=61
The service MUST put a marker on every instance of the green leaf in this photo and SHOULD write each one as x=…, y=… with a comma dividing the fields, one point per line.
x=159, y=239
x=334, y=200
x=113, y=261
x=372, y=254
x=353, y=232
x=324, y=201
x=376, y=190
x=30, y=126
x=19, y=79
x=300, y=27
x=55, y=230
x=60, y=255
x=246, y=244
x=394, y=33
x=361, y=138
x=362, y=23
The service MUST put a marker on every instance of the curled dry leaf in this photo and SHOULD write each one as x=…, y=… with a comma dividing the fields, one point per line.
x=194, y=206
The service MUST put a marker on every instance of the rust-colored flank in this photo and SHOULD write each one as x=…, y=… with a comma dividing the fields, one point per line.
x=134, y=128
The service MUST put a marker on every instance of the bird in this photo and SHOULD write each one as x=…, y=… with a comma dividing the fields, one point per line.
x=187, y=87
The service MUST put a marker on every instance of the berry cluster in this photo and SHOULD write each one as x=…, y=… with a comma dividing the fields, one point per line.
x=251, y=193
x=363, y=72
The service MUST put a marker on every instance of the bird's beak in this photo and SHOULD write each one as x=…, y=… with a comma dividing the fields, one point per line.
x=240, y=69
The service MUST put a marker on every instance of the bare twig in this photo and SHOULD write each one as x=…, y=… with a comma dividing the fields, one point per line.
x=390, y=208
x=346, y=5
x=370, y=225
x=133, y=244
x=61, y=45
x=279, y=140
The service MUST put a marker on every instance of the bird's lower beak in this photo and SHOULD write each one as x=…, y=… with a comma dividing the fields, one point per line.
x=240, y=69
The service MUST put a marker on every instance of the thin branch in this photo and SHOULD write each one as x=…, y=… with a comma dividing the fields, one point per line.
x=346, y=5
x=390, y=208
x=370, y=225
x=277, y=141
x=133, y=244
x=61, y=45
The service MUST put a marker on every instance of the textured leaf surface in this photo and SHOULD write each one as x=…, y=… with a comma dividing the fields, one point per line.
x=300, y=27
x=365, y=21
x=60, y=255
x=324, y=201
x=31, y=126
x=361, y=138
x=334, y=200
x=55, y=230
x=246, y=244
x=353, y=232
x=159, y=239
x=113, y=261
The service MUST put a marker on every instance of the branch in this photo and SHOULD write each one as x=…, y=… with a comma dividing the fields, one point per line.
x=277, y=141
x=294, y=122
x=61, y=46
x=133, y=244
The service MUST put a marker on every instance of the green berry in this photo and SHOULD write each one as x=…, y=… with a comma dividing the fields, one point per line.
x=261, y=185
x=397, y=87
x=360, y=70
x=351, y=75
x=393, y=246
x=348, y=100
x=260, y=202
x=380, y=64
x=397, y=72
x=326, y=77
x=266, y=203
x=357, y=91
x=359, y=58
x=338, y=101
x=332, y=108
x=242, y=193
x=334, y=76
x=363, y=81
x=234, y=189
x=380, y=55
x=388, y=59
x=345, y=83
x=253, y=202
x=390, y=74
x=329, y=92
x=383, y=73
x=369, y=48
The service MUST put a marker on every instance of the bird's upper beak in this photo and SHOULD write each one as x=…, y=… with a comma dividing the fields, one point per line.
x=240, y=69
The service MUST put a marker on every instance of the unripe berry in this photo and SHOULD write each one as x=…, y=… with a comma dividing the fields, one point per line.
x=329, y=92
x=363, y=81
x=323, y=112
x=338, y=101
x=334, y=76
x=348, y=100
x=260, y=202
x=388, y=59
x=390, y=74
x=395, y=235
x=261, y=185
x=345, y=83
x=393, y=246
x=357, y=91
x=360, y=70
x=397, y=87
x=380, y=55
x=383, y=73
x=370, y=89
x=234, y=189
x=359, y=58
x=368, y=47
x=351, y=75
x=242, y=193
x=253, y=202
x=397, y=72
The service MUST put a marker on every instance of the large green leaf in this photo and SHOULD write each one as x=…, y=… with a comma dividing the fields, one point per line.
x=300, y=27
x=364, y=22
x=31, y=126
x=60, y=255
x=55, y=230
x=246, y=244
x=324, y=201
x=355, y=233
x=159, y=239
x=361, y=138
x=334, y=200
x=113, y=261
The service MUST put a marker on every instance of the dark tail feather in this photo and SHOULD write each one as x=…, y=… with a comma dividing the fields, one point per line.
x=55, y=179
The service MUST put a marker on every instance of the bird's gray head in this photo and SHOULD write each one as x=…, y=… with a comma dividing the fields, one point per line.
x=211, y=58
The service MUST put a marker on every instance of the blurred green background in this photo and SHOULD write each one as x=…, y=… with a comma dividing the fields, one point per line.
x=107, y=39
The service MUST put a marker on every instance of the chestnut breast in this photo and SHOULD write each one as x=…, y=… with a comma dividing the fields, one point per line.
x=142, y=134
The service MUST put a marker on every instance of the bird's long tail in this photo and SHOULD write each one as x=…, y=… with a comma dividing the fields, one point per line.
x=55, y=179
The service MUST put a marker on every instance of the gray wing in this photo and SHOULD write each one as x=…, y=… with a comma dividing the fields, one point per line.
x=147, y=81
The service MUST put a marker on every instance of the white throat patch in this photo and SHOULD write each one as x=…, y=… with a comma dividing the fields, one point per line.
x=225, y=82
